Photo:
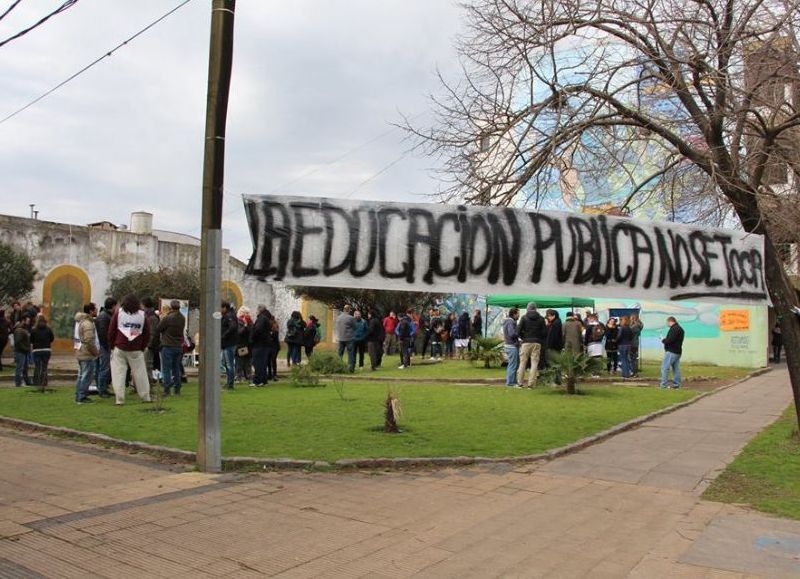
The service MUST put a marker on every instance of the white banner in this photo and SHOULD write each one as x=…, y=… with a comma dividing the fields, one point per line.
x=489, y=250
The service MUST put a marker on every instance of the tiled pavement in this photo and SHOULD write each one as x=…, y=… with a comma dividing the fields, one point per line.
x=627, y=507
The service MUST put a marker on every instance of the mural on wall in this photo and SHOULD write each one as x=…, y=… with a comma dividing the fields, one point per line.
x=66, y=290
x=231, y=293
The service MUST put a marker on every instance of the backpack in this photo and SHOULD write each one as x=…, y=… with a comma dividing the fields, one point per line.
x=404, y=330
x=455, y=331
x=598, y=332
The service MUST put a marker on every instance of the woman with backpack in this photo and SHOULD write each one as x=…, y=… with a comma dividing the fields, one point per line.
x=294, y=338
x=311, y=335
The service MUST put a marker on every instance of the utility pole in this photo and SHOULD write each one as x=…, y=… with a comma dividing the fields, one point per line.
x=209, y=448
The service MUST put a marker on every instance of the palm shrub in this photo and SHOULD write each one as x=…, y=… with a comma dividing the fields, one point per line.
x=573, y=366
x=303, y=376
x=487, y=350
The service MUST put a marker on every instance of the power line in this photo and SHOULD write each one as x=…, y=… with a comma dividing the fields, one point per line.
x=97, y=60
x=64, y=6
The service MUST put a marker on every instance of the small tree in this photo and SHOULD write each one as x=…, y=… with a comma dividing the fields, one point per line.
x=182, y=283
x=573, y=366
x=16, y=274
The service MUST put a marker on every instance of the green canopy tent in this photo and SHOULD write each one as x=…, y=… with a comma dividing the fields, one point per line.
x=542, y=302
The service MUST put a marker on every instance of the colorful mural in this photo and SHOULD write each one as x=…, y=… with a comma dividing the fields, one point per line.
x=66, y=290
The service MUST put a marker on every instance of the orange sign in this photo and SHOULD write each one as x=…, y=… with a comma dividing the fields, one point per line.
x=734, y=320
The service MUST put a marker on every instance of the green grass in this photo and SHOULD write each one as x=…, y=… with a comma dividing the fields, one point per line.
x=314, y=423
x=464, y=370
x=766, y=475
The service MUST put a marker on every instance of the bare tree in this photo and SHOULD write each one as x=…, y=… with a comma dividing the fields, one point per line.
x=690, y=104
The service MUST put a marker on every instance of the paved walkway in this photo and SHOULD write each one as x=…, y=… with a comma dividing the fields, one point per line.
x=626, y=508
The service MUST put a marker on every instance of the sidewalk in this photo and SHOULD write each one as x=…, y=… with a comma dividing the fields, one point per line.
x=628, y=507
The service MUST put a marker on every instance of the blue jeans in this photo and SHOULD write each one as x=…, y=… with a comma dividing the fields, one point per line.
x=512, y=352
x=293, y=354
x=229, y=359
x=351, y=354
x=21, y=369
x=262, y=364
x=85, y=375
x=103, y=370
x=625, y=360
x=671, y=361
x=171, y=367
x=41, y=359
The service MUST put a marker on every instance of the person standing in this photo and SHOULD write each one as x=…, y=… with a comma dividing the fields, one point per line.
x=477, y=327
x=102, y=323
x=128, y=336
x=311, y=335
x=229, y=337
x=22, y=351
x=611, y=340
x=42, y=339
x=425, y=330
x=463, y=335
x=389, y=327
x=406, y=333
x=87, y=350
x=263, y=346
x=573, y=330
x=275, y=336
x=449, y=337
x=777, y=342
x=532, y=333
x=437, y=332
x=375, y=338
x=360, y=338
x=170, y=331
x=345, y=330
x=511, y=345
x=243, y=347
x=636, y=335
x=152, y=354
x=673, y=349
x=624, y=340
x=593, y=338
x=5, y=332
x=294, y=338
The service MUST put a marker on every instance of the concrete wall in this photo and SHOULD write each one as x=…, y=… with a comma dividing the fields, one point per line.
x=103, y=254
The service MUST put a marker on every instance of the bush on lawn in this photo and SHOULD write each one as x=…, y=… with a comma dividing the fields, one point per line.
x=572, y=366
x=303, y=376
x=327, y=363
x=487, y=350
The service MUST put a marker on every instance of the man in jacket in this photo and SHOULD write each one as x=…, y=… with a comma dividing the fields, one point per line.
x=152, y=355
x=636, y=333
x=101, y=323
x=572, y=330
x=511, y=345
x=673, y=349
x=389, y=327
x=532, y=334
x=22, y=351
x=87, y=350
x=170, y=333
x=360, y=338
x=375, y=339
x=345, y=330
x=262, y=346
x=406, y=332
x=230, y=336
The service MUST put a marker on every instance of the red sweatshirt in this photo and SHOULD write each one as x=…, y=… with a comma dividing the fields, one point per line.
x=116, y=339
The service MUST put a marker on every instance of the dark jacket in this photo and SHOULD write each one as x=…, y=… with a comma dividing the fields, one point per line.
x=612, y=337
x=375, y=331
x=102, y=322
x=594, y=333
x=294, y=331
x=22, y=339
x=572, y=330
x=170, y=330
x=152, y=320
x=532, y=328
x=243, y=334
x=261, y=334
x=360, y=330
x=42, y=338
x=477, y=326
x=464, y=327
x=310, y=334
x=510, y=332
x=5, y=329
x=555, y=335
x=625, y=336
x=674, y=341
x=230, y=330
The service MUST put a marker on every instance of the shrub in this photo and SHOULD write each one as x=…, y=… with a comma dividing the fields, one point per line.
x=487, y=350
x=573, y=366
x=327, y=363
x=303, y=376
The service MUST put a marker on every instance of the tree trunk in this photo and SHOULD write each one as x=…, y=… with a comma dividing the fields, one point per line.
x=784, y=297
x=571, y=380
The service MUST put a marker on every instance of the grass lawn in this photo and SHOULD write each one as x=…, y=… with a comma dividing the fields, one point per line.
x=314, y=423
x=766, y=475
x=463, y=370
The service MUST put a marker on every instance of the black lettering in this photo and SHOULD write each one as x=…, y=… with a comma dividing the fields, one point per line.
x=641, y=246
x=758, y=269
x=704, y=274
x=504, y=252
x=725, y=240
x=478, y=224
x=615, y=231
x=584, y=241
x=384, y=223
x=436, y=258
x=602, y=277
x=463, y=220
x=300, y=231
x=328, y=211
x=274, y=232
x=372, y=242
x=416, y=237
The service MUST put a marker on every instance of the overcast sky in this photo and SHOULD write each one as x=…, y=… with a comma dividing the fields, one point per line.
x=312, y=80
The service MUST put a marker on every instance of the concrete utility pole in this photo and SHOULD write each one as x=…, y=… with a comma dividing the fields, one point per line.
x=209, y=455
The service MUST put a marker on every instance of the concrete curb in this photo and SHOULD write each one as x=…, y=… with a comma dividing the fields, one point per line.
x=246, y=462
